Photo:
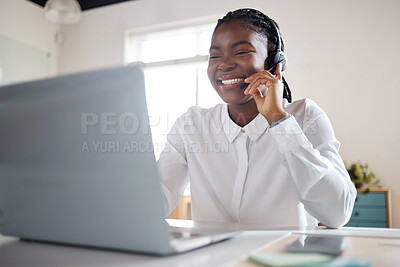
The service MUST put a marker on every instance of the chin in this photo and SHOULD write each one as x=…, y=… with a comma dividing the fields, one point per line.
x=234, y=100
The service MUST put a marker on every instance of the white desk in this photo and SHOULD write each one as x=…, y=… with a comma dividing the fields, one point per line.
x=22, y=253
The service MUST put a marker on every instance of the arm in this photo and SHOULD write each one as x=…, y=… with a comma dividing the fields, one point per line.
x=312, y=158
x=172, y=167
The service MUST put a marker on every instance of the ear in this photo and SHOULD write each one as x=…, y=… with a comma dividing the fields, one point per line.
x=266, y=63
x=269, y=61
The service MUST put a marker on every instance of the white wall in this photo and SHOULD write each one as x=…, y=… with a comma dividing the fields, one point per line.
x=23, y=21
x=343, y=54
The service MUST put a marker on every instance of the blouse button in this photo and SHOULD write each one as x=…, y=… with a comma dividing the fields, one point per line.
x=242, y=130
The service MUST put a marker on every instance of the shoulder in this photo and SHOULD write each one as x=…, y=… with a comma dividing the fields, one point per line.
x=305, y=107
x=304, y=110
x=206, y=111
x=198, y=113
x=196, y=116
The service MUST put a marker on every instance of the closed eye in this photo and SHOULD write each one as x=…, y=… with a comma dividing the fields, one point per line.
x=214, y=57
x=242, y=52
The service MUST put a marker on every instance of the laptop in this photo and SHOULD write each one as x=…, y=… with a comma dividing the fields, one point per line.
x=77, y=165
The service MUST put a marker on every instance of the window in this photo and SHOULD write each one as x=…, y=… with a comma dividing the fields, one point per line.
x=175, y=67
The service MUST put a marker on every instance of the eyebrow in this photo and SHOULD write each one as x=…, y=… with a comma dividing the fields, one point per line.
x=234, y=45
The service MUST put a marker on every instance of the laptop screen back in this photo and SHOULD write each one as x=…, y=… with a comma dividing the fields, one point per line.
x=77, y=163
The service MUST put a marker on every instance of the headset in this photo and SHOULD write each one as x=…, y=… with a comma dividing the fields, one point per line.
x=277, y=56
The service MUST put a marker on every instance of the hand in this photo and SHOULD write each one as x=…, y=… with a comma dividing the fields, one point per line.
x=269, y=103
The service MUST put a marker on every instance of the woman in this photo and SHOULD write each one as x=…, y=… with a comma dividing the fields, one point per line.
x=258, y=158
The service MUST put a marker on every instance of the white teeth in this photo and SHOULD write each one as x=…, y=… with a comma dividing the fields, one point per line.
x=232, y=81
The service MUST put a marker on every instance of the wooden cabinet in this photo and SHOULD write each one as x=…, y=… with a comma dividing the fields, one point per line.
x=183, y=210
x=371, y=209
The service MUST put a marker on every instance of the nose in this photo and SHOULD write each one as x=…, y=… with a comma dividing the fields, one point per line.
x=226, y=64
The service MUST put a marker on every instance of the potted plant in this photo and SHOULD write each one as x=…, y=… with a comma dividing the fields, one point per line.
x=361, y=176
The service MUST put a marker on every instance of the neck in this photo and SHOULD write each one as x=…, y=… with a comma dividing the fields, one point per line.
x=242, y=114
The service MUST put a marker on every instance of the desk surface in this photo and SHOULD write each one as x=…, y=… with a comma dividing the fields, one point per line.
x=228, y=253
x=381, y=251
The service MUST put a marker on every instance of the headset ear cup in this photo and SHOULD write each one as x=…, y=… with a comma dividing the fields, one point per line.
x=275, y=58
x=280, y=57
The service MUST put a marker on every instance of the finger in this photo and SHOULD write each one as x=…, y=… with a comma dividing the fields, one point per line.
x=255, y=84
x=257, y=96
x=264, y=73
x=260, y=81
x=250, y=86
x=253, y=87
x=279, y=71
x=260, y=91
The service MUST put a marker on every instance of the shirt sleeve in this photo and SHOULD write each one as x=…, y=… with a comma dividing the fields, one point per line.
x=172, y=167
x=312, y=157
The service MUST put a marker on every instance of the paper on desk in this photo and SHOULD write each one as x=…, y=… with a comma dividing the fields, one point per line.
x=342, y=262
x=289, y=259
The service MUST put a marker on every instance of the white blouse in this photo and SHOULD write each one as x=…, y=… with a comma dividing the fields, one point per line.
x=258, y=174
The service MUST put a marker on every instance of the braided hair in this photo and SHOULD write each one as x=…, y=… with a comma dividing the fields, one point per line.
x=262, y=24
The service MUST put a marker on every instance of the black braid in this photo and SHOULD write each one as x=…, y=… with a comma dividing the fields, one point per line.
x=262, y=24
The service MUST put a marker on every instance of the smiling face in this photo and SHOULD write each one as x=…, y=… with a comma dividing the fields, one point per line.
x=236, y=52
